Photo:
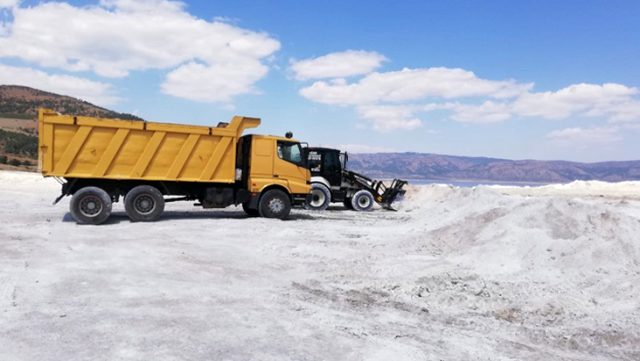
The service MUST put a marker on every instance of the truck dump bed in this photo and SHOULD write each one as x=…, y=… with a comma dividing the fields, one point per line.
x=87, y=147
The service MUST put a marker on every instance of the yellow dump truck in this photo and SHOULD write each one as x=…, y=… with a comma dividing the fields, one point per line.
x=99, y=160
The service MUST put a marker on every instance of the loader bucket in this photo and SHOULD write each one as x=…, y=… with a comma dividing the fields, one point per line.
x=392, y=193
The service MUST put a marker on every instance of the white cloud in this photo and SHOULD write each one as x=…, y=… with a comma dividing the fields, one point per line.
x=614, y=102
x=119, y=36
x=5, y=12
x=585, y=99
x=154, y=6
x=396, y=99
x=410, y=85
x=487, y=112
x=92, y=91
x=337, y=65
x=627, y=111
x=9, y=3
x=185, y=82
x=585, y=136
x=385, y=118
x=392, y=100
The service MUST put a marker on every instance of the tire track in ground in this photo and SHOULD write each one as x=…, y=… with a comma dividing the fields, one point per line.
x=8, y=292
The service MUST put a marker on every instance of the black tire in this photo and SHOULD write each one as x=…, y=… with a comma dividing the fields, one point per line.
x=274, y=204
x=320, y=198
x=144, y=204
x=362, y=201
x=347, y=203
x=251, y=212
x=90, y=205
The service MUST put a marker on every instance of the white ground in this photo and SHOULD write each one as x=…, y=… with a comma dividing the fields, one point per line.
x=486, y=273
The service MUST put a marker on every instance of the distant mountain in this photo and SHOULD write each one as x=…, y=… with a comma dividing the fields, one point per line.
x=18, y=149
x=23, y=102
x=444, y=167
x=18, y=124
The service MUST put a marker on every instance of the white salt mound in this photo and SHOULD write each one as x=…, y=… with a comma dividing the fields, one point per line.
x=484, y=273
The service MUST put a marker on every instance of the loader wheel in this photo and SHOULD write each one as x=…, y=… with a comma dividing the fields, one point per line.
x=347, y=203
x=274, y=204
x=90, y=205
x=144, y=204
x=251, y=212
x=362, y=201
x=320, y=198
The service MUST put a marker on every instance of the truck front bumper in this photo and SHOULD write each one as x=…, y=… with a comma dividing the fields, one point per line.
x=300, y=199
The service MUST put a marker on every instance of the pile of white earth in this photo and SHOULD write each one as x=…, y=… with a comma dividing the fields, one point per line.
x=484, y=273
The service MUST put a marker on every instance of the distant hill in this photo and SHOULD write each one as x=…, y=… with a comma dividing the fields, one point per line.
x=444, y=167
x=23, y=102
x=18, y=121
x=18, y=149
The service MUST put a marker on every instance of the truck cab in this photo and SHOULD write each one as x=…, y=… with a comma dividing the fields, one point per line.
x=266, y=163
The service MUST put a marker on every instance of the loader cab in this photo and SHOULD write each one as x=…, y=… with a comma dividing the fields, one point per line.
x=326, y=163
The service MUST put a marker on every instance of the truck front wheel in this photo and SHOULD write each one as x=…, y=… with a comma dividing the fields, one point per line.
x=144, y=204
x=362, y=201
x=90, y=205
x=274, y=204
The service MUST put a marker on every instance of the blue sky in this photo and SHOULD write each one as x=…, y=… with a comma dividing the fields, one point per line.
x=521, y=80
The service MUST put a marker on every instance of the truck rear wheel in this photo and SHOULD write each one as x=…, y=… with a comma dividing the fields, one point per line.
x=274, y=204
x=362, y=201
x=90, y=205
x=320, y=197
x=144, y=203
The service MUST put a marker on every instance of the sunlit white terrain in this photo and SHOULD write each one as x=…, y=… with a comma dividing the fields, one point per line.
x=484, y=273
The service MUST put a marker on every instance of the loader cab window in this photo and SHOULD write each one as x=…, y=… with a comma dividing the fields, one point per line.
x=291, y=152
x=333, y=168
x=332, y=162
x=326, y=163
x=315, y=161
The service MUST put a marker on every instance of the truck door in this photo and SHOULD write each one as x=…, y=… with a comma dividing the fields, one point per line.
x=290, y=164
x=262, y=158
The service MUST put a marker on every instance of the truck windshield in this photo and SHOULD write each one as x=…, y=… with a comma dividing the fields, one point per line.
x=291, y=152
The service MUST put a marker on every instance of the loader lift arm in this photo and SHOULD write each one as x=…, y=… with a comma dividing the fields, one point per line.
x=383, y=194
